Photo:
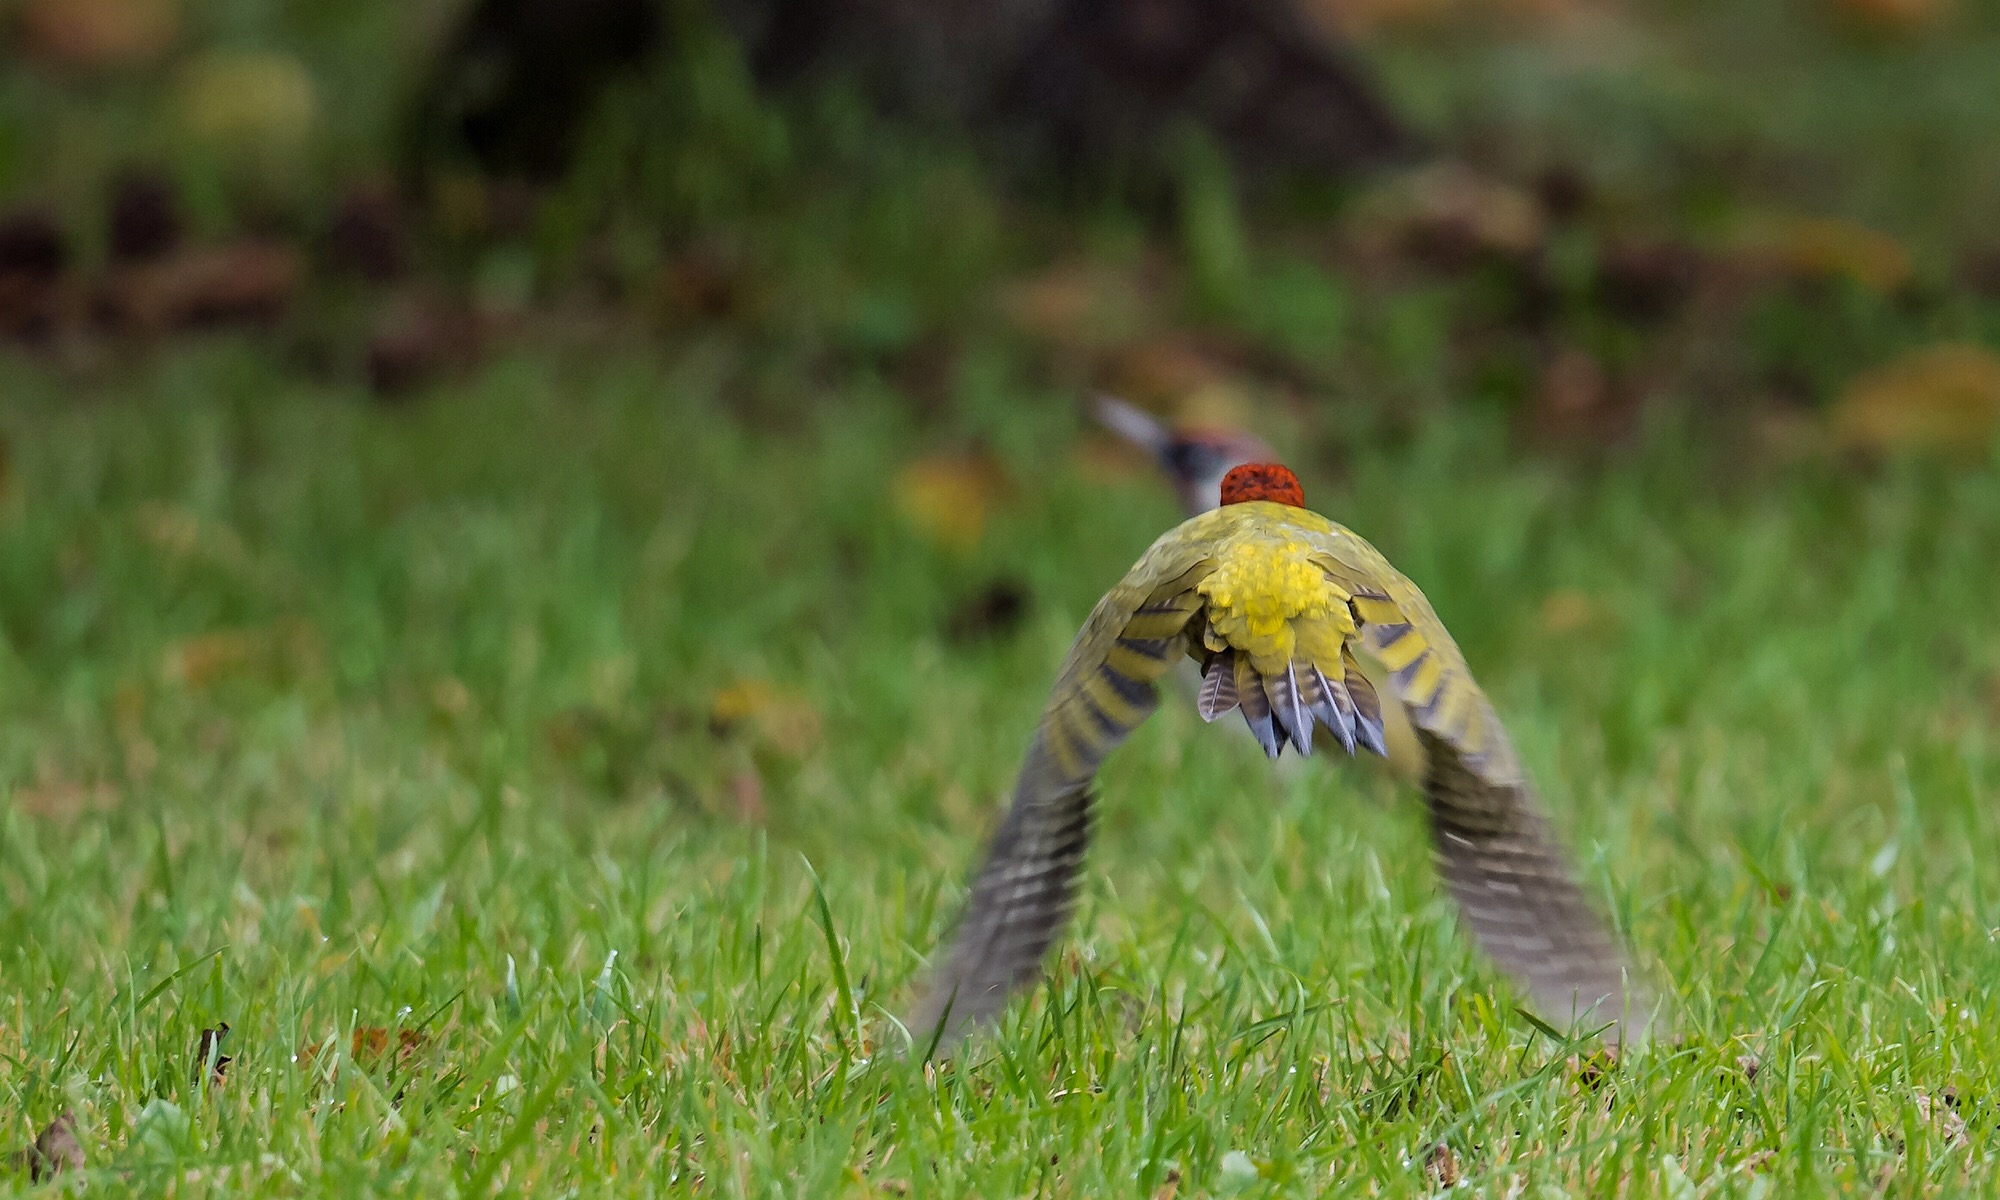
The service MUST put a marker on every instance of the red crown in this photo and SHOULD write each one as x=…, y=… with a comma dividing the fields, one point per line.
x=1263, y=481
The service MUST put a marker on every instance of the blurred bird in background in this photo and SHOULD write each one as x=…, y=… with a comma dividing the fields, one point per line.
x=1274, y=601
x=1195, y=459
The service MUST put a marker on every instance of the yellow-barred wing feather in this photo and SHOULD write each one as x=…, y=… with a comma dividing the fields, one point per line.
x=1022, y=896
x=1493, y=843
x=1273, y=600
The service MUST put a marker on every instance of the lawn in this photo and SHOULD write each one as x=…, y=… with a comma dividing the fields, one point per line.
x=558, y=786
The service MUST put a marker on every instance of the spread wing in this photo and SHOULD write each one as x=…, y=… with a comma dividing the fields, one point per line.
x=1495, y=850
x=1290, y=675
x=1023, y=894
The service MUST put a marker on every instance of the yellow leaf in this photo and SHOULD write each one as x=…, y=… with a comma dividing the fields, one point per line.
x=738, y=702
x=248, y=98
x=949, y=498
x=1570, y=610
x=1831, y=248
x=1942, y=399
x=779, y=718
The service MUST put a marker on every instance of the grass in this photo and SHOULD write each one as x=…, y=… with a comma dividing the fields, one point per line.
x=332, y=722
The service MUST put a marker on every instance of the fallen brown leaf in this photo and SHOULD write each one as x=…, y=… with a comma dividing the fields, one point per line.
x=368, y=1046
x=1593, y=1070
x=54, y=1150
x=418, y=339
x=97, y=35
x=1443, y=1166
x=1941, y=1110
x=245, y=283
x=1943, y=399
x=209, y=1060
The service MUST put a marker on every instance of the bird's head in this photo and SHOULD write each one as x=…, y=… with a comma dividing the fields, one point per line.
x=1262, y=481
x=1195, y=458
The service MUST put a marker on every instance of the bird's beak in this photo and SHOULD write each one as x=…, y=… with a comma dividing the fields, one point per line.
x=1132, y=423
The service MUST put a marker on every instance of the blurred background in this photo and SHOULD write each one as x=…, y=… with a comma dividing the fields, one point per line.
x=1565, y=214
x=1633, y=331
x=1641, y=334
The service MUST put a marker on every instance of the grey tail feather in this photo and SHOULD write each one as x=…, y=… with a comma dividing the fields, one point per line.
x=1335, y=709
x=1290, y=709
x=1257, y=708
x=1218, y=686
x=1367, y=710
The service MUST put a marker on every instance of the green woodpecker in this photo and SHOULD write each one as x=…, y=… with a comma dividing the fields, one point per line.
x=1195, y=460
x=1273, y=601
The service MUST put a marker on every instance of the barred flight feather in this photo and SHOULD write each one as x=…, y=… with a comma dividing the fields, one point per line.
x=1274, y=601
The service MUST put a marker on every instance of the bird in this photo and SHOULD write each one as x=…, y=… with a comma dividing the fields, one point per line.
x=1195, y=458
x=1273, y=601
